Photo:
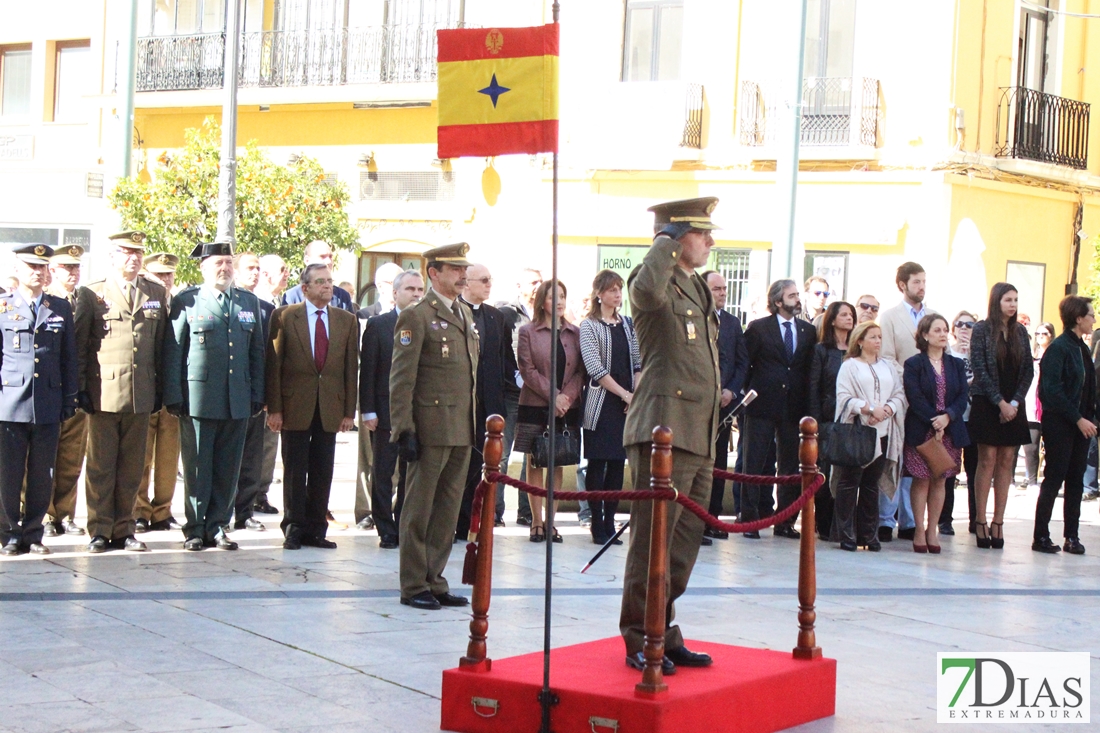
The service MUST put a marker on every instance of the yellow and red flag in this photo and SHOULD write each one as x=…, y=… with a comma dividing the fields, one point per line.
x=498, y=91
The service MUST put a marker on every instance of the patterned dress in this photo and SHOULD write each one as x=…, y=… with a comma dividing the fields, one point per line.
x=914, y=463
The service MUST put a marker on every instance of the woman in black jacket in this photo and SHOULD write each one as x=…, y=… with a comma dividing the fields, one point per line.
x=832, y=343
x=1000, y=357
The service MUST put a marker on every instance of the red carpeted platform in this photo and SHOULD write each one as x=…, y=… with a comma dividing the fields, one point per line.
x=745, y=691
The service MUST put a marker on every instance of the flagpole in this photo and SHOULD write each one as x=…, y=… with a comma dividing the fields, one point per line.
x=547, y=699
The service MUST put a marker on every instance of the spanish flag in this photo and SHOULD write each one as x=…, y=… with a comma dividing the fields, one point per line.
x=498, y=91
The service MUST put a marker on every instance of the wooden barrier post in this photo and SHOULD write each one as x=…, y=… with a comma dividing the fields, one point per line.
x=483, y=584
x=807, y=568
x=660, y=479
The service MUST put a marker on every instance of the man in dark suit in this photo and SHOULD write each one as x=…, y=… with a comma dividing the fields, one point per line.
x=496, y=367
x=319, y=252
x=779, y=347
x=733, y=365
x=312, y=388
x=374, y=404
x=250, y=486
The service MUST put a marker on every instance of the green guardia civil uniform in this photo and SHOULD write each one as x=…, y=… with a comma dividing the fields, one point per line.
x=214, y=378
x=432, y=381
x=679, y=388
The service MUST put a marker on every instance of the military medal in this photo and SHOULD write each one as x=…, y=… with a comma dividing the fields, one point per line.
x=443, y=324
x=446, y=351
x=691, y=330
x=15, y=342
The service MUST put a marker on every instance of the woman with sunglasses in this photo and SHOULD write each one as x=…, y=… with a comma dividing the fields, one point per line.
x=1044, y=334
x=1002, y=362
x=962, y=326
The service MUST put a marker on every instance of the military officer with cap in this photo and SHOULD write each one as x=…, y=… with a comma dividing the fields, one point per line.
x=432, y=381
x=678, y=388
x=121, y=322
x=73, y=441
x=162, y=444
x=38, y=385
x=214, y=381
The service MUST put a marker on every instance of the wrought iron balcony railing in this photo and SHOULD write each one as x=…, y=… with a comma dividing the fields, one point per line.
x=1037, y=126
x=382, y=55
x=836, y=111
x=693, y=118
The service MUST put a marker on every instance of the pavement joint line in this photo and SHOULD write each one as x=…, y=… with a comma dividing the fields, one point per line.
x=365, y=594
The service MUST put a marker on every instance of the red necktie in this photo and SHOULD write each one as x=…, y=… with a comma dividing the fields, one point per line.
x=320, y=343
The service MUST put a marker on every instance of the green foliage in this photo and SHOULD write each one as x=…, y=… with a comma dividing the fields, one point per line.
x=280, y=209
x=1091, y=247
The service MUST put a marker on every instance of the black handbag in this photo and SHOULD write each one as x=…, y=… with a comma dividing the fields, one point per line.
x=849, y=444
x=567, y=448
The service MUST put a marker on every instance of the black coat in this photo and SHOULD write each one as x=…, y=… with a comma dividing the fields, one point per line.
x=782, y=386
x=496, y=366
x=733, y=357
x=824, y=368
x=375, y=358
x=920, y=391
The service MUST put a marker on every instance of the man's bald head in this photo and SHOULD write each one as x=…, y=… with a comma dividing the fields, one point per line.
x=318, y=252
x=479, y=284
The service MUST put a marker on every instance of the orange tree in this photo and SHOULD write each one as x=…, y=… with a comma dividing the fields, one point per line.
x=280, y=209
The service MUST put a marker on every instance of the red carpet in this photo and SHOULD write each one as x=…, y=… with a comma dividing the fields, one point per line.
x=745, y=691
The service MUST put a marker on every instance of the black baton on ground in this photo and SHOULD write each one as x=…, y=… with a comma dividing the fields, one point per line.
x=607, y=544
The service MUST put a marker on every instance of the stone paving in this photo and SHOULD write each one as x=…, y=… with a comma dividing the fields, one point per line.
x=315, y=640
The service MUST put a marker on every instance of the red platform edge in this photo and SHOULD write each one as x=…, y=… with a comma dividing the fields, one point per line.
x=745, y=691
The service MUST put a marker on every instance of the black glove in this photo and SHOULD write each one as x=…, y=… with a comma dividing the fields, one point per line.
x=157, y=404
x=408, y=447
x=257, y=408
x=84, y=402
x=67, y=411
x=175, y=410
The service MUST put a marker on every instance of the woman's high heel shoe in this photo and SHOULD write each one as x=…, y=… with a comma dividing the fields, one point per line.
x=982, y=529
x=997, y=543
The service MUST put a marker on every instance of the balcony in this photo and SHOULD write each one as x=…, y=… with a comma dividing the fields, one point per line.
x=835, y=112
x=383, y=55
x=1033, y=125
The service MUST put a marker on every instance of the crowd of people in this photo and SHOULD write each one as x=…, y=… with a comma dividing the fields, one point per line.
x=128, y=378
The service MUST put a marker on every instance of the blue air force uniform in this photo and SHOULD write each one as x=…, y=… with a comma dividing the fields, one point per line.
x=38, y=386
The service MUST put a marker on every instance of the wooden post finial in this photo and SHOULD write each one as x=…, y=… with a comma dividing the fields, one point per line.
x=807, y=567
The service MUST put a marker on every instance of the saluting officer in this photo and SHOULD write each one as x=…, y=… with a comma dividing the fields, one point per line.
x=73, y=442
x=120, y=327
x=162, y=444
x=432, y=381
x=678, y=388
x=213, y=381
x=38, y=385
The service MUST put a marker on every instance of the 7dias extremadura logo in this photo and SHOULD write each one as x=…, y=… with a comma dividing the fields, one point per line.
x=1042, y=687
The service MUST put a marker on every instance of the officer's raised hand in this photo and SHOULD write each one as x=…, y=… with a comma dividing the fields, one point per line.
x=408, y=447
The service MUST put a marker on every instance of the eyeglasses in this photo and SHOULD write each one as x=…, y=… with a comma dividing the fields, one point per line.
x=482, y=280
x=128, y=252
x=869, y=307
x=822, y=293
x=964, y=324
x=321, y=281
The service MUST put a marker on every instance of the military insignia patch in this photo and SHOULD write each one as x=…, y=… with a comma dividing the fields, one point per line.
x=405, y=338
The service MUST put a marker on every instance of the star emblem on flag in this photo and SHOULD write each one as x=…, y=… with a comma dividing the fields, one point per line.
x=494, y=90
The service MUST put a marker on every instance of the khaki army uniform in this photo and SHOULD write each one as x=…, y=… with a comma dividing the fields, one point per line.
x=71, y=446
x=119, y=339
x=678, y=388
x=432, y=380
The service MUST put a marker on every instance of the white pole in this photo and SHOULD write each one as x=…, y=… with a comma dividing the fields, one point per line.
x=227, y=180
x=126, y=88
x=786, y=168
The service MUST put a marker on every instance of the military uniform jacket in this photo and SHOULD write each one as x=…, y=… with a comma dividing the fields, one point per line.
x=433, y=375
x=119, y=344
x=677, y=330
x=213, y=359
x=38, y=365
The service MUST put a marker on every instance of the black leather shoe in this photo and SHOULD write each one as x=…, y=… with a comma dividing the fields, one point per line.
x=751, y=535
x=319, y=542
x=498, y=523
x=193, y=544
x=637, y=661
x=11, y=549
x=885, y=534
x=292, y=542
x=130, y=543
x=706, y=542
x=873, y=546
x=1073, y=546
x=99, y=544
x=173, y=523
x=449, y=599
x=367, y=523
x=424, y=601
x=224, y=543
x=388, y=543
x=848, y=546
x=786, y=530
x=264, y=507
x=141, y=526
x=1045, y=545
x=684, y=657
x=716, y=534
x=523, y=521
x=70, y=527
x=37, y=548
x=165, y=525
x=50, y=529
x=907, y=534
x=253, y=524
x=947, y=529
